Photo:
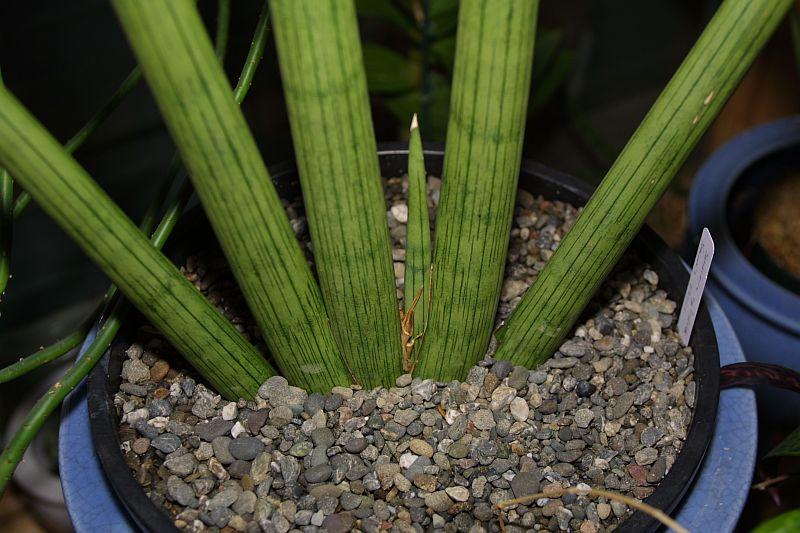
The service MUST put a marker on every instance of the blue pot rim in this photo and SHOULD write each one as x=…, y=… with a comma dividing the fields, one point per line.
x=708, y=203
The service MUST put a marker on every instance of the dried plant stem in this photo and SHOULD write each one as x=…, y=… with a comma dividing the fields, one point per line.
x=658, y=514
x=763, y=485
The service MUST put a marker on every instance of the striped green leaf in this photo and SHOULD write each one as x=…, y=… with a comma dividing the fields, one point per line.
x=326, y=94
x=491, y=82
x=227, y=171
x=641, y=173
x=418, y=250
x=66, y=192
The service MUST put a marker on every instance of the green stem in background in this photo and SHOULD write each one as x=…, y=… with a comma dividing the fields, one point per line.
x=491, y=83
x=234, y=187
x=65, y=345
x=89, y=128
x=418, y=237
x=34, y=420
x=64, y=190
x=253, y=55
x=223, y=24
x=48, y=403
x=326, y=94
x=425, y=67
x=45, y=407
x=43, y=356
x=641, y=173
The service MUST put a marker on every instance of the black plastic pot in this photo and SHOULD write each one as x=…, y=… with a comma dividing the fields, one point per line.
x=193, y=236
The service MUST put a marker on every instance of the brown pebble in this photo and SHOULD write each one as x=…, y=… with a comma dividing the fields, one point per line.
x=420, y=447
x=159, y=370
x=160, y=393
x=638, y=473
x=553, y=490
x=589, y=527
x=426, y=482
x=247, y=482
x=141, y=445
x=643, y=492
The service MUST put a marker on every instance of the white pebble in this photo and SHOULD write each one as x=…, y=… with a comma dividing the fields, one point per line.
x=237, y=430
x=582, y=489
x=519, y=409
x=400, y=213
x=459, y=494
x=407, y=459
x=230, y=411
x=136, y=416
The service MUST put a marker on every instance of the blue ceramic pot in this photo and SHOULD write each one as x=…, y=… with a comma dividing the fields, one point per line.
x=764, y=314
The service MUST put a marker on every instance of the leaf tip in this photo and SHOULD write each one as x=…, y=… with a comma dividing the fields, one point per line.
x=414, y=123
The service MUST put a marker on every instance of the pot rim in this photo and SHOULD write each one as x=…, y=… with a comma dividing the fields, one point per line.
x=708, y=206
x=393, y=159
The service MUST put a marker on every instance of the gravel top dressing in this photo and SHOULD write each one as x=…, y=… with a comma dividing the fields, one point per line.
x=610, y=410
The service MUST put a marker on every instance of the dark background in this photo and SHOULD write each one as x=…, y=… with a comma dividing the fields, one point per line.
x=606, y=64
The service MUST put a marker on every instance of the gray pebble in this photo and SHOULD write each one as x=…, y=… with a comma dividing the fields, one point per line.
x=166, y=442
x=318, y=474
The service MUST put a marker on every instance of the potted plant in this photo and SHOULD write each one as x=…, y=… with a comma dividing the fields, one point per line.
x=744, y=194
x=439, y=447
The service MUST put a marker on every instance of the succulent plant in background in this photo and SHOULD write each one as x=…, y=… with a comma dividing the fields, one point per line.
x=344, y=325
x=418, y=78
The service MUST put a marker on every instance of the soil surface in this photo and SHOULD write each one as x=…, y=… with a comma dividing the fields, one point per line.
x=776, y=225
x=610, y=410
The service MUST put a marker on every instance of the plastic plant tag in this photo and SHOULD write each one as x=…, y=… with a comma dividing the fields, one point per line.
x=697, y=282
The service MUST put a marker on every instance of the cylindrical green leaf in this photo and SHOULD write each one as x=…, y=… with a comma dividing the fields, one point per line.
x=66, y=192
x=418, y=232
x=191, y=90
x=644, y=169
x=326, y=93
x=491, y=81
x=417, y=282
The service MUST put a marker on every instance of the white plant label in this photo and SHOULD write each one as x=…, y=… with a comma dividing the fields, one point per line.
x=697, y=282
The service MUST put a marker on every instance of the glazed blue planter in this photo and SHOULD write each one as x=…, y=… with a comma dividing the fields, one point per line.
x=764, y=314
x=713, y=501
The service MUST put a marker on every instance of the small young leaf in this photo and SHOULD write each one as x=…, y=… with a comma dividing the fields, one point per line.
x=443, y=16
x=550, y=80
x=386, y=11
x=444, y=52
x=789, y=447
x=547, y=45
x=387, y=71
